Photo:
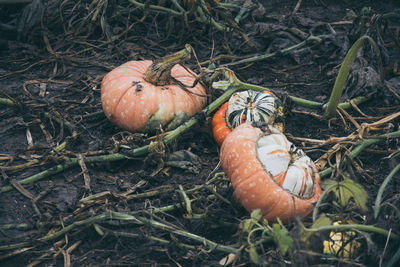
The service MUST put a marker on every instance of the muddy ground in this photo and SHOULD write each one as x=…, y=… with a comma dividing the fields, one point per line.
x=55, y=209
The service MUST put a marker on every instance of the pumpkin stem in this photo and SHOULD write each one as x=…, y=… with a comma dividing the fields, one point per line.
x=159, y=73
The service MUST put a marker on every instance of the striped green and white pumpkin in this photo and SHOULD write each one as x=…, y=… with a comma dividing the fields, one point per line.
x=252, y=106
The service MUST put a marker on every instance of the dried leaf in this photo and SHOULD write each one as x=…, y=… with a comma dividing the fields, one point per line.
x=228, y=259
x=185, y=160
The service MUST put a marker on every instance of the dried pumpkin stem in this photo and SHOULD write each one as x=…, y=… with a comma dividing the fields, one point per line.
x=159, y=73
x=363, y=144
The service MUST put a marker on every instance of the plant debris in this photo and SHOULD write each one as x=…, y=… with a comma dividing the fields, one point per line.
x=77, y=190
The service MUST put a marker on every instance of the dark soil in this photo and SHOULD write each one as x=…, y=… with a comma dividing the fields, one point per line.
x=53, y=56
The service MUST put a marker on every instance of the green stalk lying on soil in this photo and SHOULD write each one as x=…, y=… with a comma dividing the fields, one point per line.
x=236, y=83
x=360, y=227
x=33, y=162
x=101, y=231
x=14, y=1
x=377, y=206
x=126, y=217
x=6, y=102
x=341, y=79
x=310, y=39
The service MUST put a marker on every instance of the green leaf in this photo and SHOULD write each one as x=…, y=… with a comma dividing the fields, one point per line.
x=256, y=215
x=321, y=221
x=347, y=189
x=253, y=254
x=282, y=238
x=246, y=225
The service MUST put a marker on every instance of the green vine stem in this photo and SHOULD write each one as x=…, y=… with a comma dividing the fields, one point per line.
x=63, y=231
x=158, y=8
x=377, y=206
x=362, y=144
x=310, y=39
x=101, y=231
x=239, y=85
x=14, y=1
x=201, y=14
x=324, y=193
x=341, y=79
x=6, y=102
x=54, y=151
x=33, y=162
x=212, y=245
x=394, y=260
x=360, y=227
x=141, y=151
x=126, y=217
x=163, y=209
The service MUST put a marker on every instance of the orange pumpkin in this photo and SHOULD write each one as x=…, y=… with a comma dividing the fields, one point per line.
x=245, y=106
x=269, y=173
x=141, y=95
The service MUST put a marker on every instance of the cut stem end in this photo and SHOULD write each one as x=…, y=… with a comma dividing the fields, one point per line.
x=159, y=73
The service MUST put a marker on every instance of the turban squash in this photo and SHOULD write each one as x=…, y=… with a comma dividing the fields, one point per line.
x=142, y=96
x=269, y=173
x=245, y=106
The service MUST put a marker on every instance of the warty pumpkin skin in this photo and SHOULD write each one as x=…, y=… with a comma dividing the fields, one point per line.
x=254, y=184
x=245, y=106
x=218, y=124
x=135, y=104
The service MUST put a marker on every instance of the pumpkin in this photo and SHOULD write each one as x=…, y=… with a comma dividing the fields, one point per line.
x=245, y=106
x=142, y=96
x=269, y=173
